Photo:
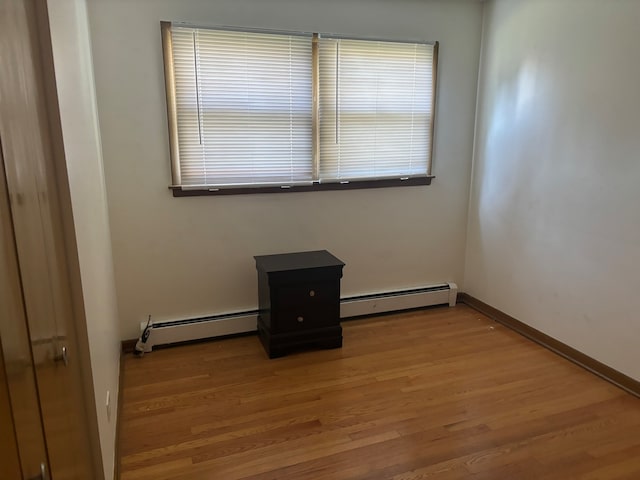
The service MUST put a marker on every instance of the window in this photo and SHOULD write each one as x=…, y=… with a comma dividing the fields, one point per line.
x=375, y=109
x=267, y=111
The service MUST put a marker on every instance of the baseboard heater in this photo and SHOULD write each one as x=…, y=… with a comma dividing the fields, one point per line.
x=177, y=331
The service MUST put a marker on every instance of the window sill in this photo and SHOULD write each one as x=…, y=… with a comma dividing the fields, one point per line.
x=315, y=187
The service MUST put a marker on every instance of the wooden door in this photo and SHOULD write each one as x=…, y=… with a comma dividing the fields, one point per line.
x=10, y=464
x=19, y=398
x=34, y=219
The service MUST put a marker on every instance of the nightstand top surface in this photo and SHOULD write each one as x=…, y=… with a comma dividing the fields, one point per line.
x=297, y=261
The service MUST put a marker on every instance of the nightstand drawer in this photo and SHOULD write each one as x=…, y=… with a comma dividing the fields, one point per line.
x=293, y=320
x=309, y=295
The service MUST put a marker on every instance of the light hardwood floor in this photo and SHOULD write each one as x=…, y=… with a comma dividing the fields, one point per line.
x=443, y=393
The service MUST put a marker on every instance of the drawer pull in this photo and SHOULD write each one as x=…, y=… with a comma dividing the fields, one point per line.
x=300, y=319
x=312, y=293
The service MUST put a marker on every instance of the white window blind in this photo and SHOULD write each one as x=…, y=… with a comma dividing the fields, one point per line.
x=243, y=107
x=376, y=109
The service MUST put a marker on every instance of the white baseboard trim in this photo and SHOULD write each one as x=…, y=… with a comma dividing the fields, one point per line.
x=177, y=331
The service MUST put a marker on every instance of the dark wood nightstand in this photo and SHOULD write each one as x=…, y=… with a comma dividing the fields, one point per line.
x=299, y=301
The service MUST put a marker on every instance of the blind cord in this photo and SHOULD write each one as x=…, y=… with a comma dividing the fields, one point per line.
x=195, y=67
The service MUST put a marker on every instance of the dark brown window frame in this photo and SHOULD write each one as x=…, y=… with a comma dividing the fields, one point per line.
x=314, y=187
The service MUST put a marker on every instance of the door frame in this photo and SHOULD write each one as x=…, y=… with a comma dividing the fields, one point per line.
x=68, y=228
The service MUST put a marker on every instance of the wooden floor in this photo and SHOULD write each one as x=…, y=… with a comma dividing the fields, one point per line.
x=440, y=394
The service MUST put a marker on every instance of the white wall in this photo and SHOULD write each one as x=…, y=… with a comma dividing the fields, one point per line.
x=554, y=220
x=181, y=257
x=76, y=95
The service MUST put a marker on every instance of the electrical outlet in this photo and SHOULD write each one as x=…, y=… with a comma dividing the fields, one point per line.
x=107, y=404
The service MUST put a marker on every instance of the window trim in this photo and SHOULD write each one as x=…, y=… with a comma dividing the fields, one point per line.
x=172, y=108
x=194, y=191
x=180, y=190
